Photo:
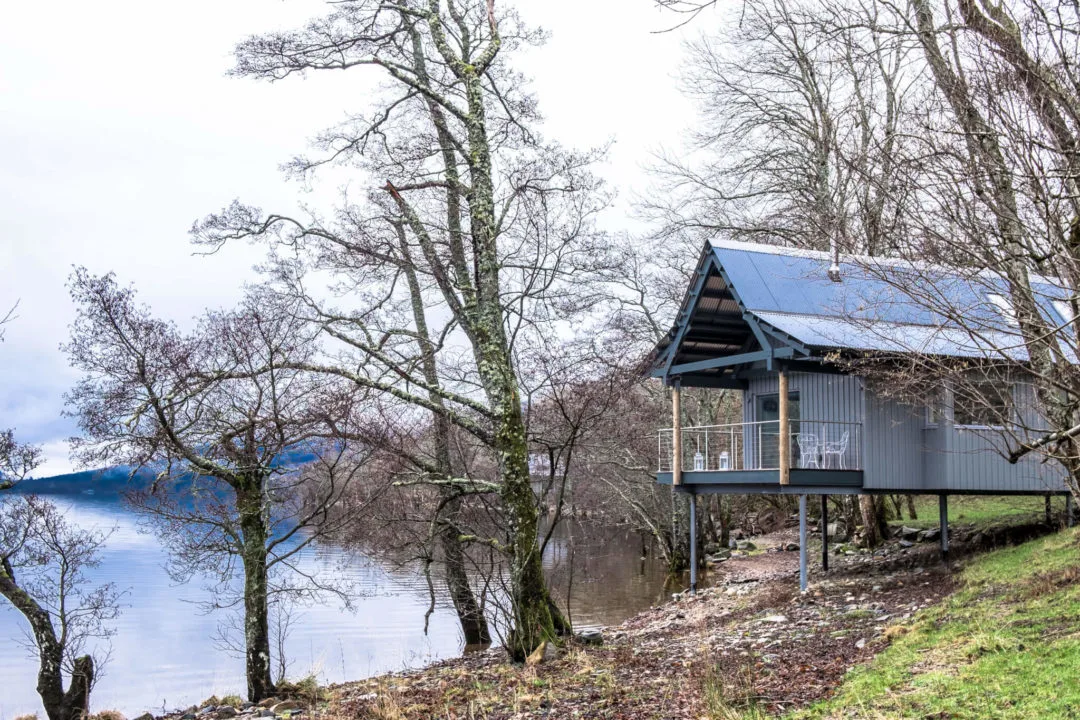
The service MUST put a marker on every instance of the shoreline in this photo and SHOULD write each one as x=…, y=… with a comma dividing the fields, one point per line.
x=750, y=633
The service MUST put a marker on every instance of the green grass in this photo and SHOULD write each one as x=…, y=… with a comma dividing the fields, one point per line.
x=980, y=510
x=1005, y=645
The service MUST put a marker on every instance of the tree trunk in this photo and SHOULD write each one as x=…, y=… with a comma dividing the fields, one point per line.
x=724, y=503
x=474, y=625
x=536, y=618
x=875, y=528
x=59, y=705
x=678, y=556
x=77, y=698
x=851, y=516
x=253, y=527
x=912, y=515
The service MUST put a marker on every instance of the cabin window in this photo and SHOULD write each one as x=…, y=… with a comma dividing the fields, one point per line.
x=986, y=402
x=1005, y=308
x=934, y=413
x=1064, y=310
x=935, y=406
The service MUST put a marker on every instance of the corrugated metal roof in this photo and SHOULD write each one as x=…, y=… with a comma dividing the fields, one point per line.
x=880, y=304
x=828, y=332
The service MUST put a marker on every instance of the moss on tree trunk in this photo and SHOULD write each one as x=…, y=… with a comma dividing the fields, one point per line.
x=253, y=527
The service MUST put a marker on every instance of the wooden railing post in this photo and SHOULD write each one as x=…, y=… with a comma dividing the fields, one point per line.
x=676, y=440
x=785, y=431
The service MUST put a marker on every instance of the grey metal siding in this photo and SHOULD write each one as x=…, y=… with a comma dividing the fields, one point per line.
x=900, y=451
x=935, y=456
x=835, y=398
x=894, y=444
x=975, y=457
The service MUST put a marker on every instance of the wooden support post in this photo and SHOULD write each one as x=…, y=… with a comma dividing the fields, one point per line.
x=802, y=543
x=693, y=544
x=785, y=434
x=825, y=533
x=943, y=512
x=676, y=439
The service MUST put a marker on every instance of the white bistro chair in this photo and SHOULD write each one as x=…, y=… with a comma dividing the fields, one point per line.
x=808, y=450
x=839, y=449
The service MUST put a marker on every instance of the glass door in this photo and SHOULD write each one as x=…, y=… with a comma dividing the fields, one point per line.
x=768, y=429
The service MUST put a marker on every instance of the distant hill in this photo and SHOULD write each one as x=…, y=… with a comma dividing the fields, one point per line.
x=107, y=481
x=115, y=480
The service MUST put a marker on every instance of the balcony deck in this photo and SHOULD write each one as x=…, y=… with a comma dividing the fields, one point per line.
x=744, y=458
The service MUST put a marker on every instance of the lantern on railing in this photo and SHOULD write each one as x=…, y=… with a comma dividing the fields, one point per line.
x=699, y=461
x=725, y=461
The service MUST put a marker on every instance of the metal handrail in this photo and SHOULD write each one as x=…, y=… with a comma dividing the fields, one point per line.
x=831, y=444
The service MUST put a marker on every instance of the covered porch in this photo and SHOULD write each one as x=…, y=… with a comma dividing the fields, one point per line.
x=801, y=423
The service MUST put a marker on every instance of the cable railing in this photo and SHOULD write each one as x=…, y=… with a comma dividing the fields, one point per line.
x=814, y=444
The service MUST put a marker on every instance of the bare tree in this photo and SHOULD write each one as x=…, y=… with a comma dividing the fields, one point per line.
x=475, y=236
x=801, y=137
x=983, y=161
x=996, y=171
x=17, y=460
x=248, y=463
x=43, y=563
x=801, y=105
x=6, y=318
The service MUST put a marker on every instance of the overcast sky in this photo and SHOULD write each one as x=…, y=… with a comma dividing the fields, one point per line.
x=119, y=128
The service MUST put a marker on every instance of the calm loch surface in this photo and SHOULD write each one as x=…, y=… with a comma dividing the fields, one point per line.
x=164, y=653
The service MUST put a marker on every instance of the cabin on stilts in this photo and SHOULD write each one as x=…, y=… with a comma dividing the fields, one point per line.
x=781, y=326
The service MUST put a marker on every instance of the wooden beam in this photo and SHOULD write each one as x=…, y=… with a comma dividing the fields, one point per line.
x=676, y=439
x=730, y=360
x=683, y=322
x=785, y=434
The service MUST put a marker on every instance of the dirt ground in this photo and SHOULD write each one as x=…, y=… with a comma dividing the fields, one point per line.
x=751, y=637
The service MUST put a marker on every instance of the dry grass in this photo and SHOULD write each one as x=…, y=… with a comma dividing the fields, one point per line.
x=894, y=631
x=732, y=698
x=1045, y=583
x=387, y=708
x=106, y=715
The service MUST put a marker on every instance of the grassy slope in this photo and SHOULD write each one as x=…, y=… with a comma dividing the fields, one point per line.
x=1006, y=645
x=980, y=509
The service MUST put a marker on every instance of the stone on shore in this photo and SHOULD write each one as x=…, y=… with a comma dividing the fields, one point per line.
x=909, y=533
x=287, y=706
x=592, y=636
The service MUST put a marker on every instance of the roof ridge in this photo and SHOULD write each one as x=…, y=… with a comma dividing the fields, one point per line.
x=870, y=261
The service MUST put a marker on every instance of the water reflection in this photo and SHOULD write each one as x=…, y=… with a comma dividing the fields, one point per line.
x=163, y=655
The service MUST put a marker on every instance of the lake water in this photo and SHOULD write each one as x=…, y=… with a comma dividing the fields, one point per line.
x=163, y=655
